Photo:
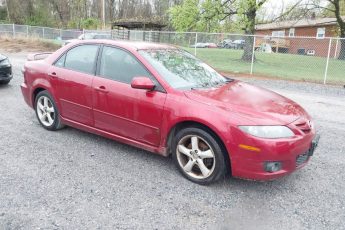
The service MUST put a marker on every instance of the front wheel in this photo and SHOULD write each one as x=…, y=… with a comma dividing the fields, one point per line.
x=198, y=156
x=47, y=112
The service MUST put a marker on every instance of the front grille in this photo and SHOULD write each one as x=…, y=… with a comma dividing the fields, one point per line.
x=304, y=125
x=301, y=159
x=4, y=71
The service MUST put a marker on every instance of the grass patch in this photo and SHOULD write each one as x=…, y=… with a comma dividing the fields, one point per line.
x=14, y=45
x=284, y=66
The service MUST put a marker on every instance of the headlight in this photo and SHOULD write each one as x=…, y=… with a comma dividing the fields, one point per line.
x=268, y=131
x=5, y=62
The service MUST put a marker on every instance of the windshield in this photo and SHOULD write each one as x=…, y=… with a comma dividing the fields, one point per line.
x=182, y=70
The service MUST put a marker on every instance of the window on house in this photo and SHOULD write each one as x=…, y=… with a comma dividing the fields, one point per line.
x=278, y=33
x=291, y=32
x=320, y=33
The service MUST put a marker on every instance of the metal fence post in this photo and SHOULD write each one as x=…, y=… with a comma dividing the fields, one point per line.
x=27, y=31
x=336, y=49
x=43, y=32
x=253, y=55
x=327, y=63
x=13, y=31
x=196, y=40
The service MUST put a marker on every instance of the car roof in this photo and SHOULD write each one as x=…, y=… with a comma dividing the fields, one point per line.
x=138, y=45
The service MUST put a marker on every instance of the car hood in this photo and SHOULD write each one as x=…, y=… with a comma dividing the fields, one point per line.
x=261, y=106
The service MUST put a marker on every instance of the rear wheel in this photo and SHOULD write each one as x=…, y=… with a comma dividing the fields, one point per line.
x=47, y=112
x=198, y=156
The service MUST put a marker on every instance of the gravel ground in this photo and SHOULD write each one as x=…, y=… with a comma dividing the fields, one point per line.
x=75, y=180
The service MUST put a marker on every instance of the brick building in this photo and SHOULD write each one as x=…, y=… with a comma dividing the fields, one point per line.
x=288, y=33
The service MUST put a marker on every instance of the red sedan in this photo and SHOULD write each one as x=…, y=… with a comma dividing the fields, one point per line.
x=164, y=100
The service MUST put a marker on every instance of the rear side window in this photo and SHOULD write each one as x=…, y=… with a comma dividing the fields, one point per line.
x=81, y=58
x=119, y=65
x=61, y=61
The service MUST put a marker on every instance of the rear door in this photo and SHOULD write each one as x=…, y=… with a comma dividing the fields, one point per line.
x=75, y=71
x=118, y=108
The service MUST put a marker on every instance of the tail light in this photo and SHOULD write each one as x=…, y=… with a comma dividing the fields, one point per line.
x=24, y=75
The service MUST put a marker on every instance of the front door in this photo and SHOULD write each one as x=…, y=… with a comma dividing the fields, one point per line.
x=118, y=108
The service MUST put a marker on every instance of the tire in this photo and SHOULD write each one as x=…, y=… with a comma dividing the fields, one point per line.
x=193, y=149
x=47, y=112
x=5, y=82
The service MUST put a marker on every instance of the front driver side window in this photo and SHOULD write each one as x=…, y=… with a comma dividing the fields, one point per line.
x=119, y=65
x=82, y=58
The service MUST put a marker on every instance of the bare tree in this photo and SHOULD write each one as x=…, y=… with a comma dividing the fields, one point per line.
x=61, y=7
x=72, y=12
x=341, y=24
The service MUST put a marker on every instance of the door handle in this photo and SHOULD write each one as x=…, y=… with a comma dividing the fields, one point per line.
x=102, y=89
x=52, y=74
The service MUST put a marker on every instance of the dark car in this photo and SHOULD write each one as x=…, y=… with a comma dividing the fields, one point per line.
x=225, y=44
x=237, y=44
x=5, y=70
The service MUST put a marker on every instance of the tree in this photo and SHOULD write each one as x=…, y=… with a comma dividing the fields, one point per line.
x=337, y=8
x=185, y=17
x=209, y=14
x=247, y=10
x=80, y=13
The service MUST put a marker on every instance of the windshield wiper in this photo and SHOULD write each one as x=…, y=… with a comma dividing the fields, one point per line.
x=228, y=80
x=206, y=84
x=201, y=86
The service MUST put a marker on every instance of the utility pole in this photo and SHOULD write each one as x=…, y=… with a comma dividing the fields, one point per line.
x=103, y=13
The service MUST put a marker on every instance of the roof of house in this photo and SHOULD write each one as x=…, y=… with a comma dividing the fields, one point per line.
x=138, y=24
x=297, y=23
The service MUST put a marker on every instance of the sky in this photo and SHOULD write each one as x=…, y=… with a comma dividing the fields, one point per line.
x=274, y=7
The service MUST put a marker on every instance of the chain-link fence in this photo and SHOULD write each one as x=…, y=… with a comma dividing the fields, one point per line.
x=294, y=58
x=38, y=32
x=311, y=59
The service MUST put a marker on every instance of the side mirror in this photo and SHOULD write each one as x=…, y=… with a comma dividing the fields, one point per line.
x=142, y=83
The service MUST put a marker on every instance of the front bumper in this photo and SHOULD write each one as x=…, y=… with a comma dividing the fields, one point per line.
x=5, y=73
x=292, y=153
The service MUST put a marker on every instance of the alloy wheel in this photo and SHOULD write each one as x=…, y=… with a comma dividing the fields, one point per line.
x=45, y=111
x=196, y=157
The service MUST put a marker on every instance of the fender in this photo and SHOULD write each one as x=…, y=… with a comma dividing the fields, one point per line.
x=44, y=84
x=171, y=118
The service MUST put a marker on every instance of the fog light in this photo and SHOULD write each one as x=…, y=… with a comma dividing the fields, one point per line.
x=273, y=166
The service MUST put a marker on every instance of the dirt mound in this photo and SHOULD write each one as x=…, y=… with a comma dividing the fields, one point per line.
x=15, y=45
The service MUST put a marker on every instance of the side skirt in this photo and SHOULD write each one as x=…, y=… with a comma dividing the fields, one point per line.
x=154, y=149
